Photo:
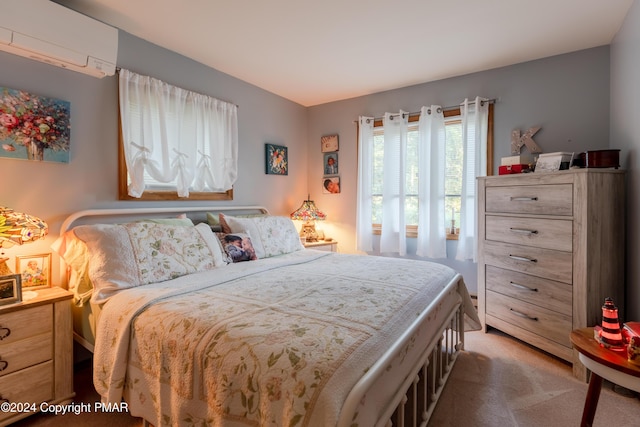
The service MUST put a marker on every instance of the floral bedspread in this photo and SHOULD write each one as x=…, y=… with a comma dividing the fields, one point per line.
x=274, y=342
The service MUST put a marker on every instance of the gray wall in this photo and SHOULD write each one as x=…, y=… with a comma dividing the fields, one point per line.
x=54, y=190
x=567, y=95
x=625, y=111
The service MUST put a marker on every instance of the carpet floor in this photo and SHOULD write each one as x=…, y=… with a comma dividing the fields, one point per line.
x=498, y=381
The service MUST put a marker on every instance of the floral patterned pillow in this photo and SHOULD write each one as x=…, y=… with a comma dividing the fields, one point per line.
x=271, y=235
x=134, y=254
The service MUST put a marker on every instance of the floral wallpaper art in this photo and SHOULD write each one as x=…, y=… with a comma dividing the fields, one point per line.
x=34, y=127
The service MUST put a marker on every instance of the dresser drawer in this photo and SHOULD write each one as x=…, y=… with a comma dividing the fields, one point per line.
x=27, y=352
x=18, y=325
x=555, y=296
x=542, y=233
x=530, y=199
x=541, y=321
x=546, y=263
x=32, y=385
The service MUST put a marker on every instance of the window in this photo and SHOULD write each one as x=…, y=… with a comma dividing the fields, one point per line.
x=174, y=143
x=453, y=171
x=436, y=131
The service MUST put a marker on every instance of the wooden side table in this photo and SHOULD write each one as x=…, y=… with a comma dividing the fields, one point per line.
x=603, y=363
x=323, y=245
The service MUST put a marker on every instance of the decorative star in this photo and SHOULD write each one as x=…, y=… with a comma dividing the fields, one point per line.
x=517, y=141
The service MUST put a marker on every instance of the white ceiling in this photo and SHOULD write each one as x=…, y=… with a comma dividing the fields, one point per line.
x=313, y=52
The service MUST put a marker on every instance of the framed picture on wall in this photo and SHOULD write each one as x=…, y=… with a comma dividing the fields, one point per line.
x=331, y=185
x=276, y=159
x=35, y=270
x=329, y=143
x=331, y=163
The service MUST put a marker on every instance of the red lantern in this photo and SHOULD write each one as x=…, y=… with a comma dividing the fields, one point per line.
x=611, y=335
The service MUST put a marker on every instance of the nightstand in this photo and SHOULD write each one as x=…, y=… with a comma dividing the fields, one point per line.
x=36, y=354
x=322, y=245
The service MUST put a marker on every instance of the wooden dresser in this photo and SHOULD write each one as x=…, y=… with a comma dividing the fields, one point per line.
x=550, y=250
x=36, y=350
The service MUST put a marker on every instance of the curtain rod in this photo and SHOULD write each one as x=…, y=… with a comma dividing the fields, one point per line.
x=452, y=107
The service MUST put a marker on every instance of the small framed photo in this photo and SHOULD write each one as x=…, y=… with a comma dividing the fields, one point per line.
x=35, y=270
x=276, y=159
x=329, y=143
x=10, y=289
x=331, y=163
x=331, y=185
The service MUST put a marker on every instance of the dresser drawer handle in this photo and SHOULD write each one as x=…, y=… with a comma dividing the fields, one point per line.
x=523, y=230
x=4, y=332
x=522, y=258
x=526, y=288
x=3, y=365
x=526, y=316
x=524, y=199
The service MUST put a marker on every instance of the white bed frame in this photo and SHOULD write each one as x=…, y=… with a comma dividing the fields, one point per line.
x=417, y=389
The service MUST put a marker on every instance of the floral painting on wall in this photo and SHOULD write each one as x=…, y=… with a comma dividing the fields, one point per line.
x=34, y=127
x=277, y=162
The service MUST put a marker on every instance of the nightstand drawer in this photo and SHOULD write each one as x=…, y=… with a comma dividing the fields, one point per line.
x=18, y=325
x=541, y=233
x=531, y=199
x=32, y=385
x=546, y=263
x=27, y=352
x=555, y=296
x=546, y=323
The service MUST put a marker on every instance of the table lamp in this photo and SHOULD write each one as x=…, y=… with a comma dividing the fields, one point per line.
x=17, y=229
x=309, y=213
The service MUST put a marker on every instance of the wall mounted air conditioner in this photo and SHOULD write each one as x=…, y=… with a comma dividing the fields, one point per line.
x=51, y=33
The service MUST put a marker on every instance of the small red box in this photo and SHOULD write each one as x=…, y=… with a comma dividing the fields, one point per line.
x=506, y=170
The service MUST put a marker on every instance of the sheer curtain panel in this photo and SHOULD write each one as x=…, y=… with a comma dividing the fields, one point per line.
x=475, y=119
x=432, y=238
x=364, y=236
x=176, y=136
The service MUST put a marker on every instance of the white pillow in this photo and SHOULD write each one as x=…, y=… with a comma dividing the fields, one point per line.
x=127, y=255
x=271, y=235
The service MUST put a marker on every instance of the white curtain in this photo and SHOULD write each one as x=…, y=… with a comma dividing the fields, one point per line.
x=475, y=118
x=174, y=134
x=364, y=237
x=432, y=239
x=393, y=236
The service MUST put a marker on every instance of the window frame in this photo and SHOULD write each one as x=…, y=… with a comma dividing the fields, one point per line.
x=412, y=230
x=156, y=195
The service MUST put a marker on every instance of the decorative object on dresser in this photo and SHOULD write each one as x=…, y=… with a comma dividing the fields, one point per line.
x=518, y=140
x=35, y=270
x=550, y=250
x=36, y=349
x=309, y=213
x=10, y=290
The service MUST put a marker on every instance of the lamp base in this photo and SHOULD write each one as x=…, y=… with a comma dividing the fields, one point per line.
x=308, y=231
x=4, y=268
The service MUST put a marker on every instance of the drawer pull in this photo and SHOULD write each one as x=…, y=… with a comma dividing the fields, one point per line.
x=523, y=230
x=522, y=258
x=4, y=332
x=3, y=365
x=526, y=316
x=524, y=199
x=519, y=286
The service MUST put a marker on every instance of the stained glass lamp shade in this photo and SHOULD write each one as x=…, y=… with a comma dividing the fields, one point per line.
x=18, y=228
x=309, y=213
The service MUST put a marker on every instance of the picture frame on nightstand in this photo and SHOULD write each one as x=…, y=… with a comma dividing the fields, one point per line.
x=35, y=270
x=10, y=289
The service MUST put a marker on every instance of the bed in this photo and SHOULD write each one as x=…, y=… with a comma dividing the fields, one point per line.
x=294, y=337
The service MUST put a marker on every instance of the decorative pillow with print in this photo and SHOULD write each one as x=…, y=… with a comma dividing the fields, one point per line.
x=272, y=235
x=238, y=247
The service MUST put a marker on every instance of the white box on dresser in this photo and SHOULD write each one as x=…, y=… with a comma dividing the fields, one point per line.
x=550, y=250
x=36, y=347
